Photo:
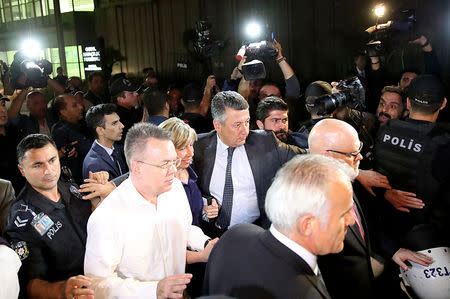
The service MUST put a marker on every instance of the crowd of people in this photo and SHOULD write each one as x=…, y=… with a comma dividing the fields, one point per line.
x=244, y=191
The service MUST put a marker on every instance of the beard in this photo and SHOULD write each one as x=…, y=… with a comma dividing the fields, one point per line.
x=281, y=134
x=385, y=115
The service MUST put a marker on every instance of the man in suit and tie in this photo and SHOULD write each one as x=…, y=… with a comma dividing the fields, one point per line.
x=104, y=154
x=347, y=274
x=236, y=166
x=309, y=204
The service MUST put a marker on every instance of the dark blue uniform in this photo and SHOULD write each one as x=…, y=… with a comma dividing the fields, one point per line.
x=49, y=237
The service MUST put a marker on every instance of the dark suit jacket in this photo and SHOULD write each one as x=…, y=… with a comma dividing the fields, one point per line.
x=248, y=262
x=97, y=159
x=348, y=274
x=266, y=154
x=6, y=199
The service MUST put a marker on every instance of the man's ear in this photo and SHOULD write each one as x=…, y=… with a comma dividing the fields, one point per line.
x=216, y=124
x=135, y=167
x=182, y=102
x=99, y=131
x=304, y=225
x=444, y=103
x=408, y=104
x=260, y=125
x=21, y=170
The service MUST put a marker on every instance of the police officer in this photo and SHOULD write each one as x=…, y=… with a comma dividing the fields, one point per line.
x=47, y=225
x=414, y=155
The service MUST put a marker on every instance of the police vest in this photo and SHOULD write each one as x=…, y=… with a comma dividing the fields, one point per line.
x=404, y=152
x=401, y=147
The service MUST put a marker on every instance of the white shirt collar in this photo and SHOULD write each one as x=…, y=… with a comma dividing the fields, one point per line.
x=307, y=256
x=222, y=147
x=107, y=149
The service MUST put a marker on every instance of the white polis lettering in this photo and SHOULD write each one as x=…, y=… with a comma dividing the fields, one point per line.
x=403, y=143
x=52, y=231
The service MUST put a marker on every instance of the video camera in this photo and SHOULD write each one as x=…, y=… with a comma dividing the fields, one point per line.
x=351, y=94
x=401, y=29
x=254, y=68
x=26, y=72
x=204, y=44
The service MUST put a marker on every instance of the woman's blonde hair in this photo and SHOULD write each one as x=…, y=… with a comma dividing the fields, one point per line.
x=182, y=133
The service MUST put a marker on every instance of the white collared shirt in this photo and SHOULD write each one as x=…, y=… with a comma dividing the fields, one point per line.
x=108, y=150
x=132, y=244
x=245, y=202
x=307, y=256
x=8, y=275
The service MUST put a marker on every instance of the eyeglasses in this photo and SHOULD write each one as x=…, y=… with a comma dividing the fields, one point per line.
x=350, y=155
x=165, y=165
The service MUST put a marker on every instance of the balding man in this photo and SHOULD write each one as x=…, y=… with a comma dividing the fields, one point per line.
x=353, y=266
x=349, y=273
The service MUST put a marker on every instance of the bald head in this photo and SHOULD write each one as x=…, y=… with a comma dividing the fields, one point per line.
x=338, y=139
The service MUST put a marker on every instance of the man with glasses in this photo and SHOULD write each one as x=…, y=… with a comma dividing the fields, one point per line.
x=347, y=274
x=137, y=238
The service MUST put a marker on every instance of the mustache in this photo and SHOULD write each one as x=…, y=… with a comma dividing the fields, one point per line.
x=384, y=114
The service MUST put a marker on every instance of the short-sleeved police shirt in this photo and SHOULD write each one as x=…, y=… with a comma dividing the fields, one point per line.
x=49, y=237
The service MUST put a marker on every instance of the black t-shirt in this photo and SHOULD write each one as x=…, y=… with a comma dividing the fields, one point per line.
x=49, y=237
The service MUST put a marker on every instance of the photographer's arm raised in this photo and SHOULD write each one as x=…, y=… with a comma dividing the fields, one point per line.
x=17, y=102
x=284, y=66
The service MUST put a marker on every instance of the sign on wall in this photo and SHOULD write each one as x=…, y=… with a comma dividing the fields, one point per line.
x=91, y=59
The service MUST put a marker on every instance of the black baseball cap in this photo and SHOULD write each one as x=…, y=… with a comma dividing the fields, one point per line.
x=316, y=89
x=121, y=85
x=192, y=93
x=426, y=90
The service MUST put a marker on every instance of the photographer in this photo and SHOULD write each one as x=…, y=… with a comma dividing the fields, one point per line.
x=379, y=77
x=256, y=90
x=25, y=72
x=372, y=78
x=71, y=135
x=39, y=120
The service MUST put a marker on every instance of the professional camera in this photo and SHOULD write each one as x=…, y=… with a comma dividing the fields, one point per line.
x=260, y=50
x=26, y=72
x=399, y=30
x=351, y=94
x=204, y=44
x=254, y=68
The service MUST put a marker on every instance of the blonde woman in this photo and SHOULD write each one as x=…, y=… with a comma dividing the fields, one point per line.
x=183, y=139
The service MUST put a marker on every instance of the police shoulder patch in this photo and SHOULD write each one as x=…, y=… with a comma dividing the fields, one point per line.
x=21, y=249
x=21, y=219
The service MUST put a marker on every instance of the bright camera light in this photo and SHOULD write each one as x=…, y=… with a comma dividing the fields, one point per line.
x=31, y=48
x=253, y=30
x=379, y=10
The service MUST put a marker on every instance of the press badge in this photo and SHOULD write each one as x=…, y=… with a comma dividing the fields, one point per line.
x=42, y=223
